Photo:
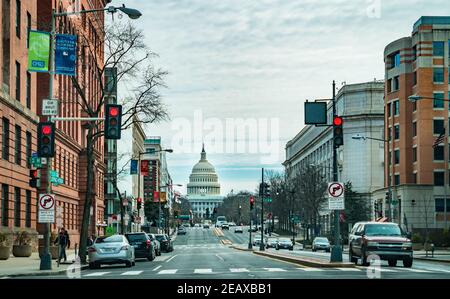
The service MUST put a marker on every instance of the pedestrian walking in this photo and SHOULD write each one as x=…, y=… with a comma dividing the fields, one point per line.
x=63, y=241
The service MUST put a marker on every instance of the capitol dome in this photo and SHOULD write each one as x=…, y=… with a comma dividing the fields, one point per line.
x=203, y=179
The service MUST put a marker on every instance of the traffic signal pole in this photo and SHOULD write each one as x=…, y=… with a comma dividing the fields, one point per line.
x=336, y=250
x=261, y=245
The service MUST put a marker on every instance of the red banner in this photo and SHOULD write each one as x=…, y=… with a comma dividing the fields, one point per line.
x=144, y=167
x=155, y=196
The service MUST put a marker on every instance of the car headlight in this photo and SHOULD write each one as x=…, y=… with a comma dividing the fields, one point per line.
x=372, y=244
x=407, y=244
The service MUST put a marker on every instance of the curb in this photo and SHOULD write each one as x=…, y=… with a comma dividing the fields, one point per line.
x=84, y=267
x=431, y=259
x=241, y=249
x=305, y=262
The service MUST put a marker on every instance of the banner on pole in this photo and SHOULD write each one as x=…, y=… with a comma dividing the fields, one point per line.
x=38, y=51
x=134, y=167
x=145, y=167
x=65, y=54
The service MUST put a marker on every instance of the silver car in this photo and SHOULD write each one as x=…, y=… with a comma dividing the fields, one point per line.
x=111, y=250
x=321, y=243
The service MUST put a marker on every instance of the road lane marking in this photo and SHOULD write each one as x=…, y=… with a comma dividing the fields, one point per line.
x=310, y=269
x=156, y=268
x=97, y=274
x=416, y=270
x=171, y=258
x=219, y=257
x=5, y=277
x=132, y=273
x=172, y=271
x=348, y=269
x=202, y=271
x=236, y=270
x=274, y=269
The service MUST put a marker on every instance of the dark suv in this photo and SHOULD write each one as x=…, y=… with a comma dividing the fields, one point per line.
x=143, y=246
x=165, y=241
x=384, y=239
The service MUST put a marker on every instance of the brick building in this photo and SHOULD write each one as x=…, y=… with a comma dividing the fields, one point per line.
x=18, y=114
x=417, y=65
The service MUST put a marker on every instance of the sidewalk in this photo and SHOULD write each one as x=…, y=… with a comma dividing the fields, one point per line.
x=438, y=256
x=29, y=266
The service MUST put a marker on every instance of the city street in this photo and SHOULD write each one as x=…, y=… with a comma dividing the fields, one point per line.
x=200, y=254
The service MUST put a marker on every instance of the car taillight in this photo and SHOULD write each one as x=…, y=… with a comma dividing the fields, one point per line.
x=92, y=249
x=148, y=243
x=125, y=247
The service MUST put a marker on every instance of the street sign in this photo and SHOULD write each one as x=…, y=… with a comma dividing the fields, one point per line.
x=46, y=208
x=50, y=107
x=336, y=203
x=267, y=199
x=336, y=190
x=53, y=173
x=110, y=231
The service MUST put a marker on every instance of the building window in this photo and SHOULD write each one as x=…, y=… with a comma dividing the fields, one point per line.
x=396, y=132
x=438, y=48
x=415, y=178
x=389, y=110
x=414, y=106
x=18, y=145
x=17, y=207
x=17, y=81
x=414, y=129
x=394, y=60
x=414, y=53
x=415, y=78
x=28, y=149
x=397, y=59
x=18, y=18
x=389, y=134
x=397, y=156
x=439, y=153
x=5, y=139
x=439, y=205
x=5, y=204
x=396, y=107
x=396, y=83
x=438, y=75
x=28, y=90
x=28, y=208
x=389, y=85
x=438, y=126
x=439, y=178
x=438, y=100
x=397, y=179
x=414, y=154
x=28, y=28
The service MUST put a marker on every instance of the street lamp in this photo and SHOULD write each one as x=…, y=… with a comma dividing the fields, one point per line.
x=46, y=260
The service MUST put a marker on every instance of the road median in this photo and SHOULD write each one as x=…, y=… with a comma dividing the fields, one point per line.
x=304, y=261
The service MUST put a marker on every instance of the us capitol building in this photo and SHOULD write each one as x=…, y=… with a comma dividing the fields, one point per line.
x=203, y=189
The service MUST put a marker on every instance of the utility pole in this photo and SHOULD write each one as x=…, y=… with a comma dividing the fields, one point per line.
x=261, y=246
x=336, y=250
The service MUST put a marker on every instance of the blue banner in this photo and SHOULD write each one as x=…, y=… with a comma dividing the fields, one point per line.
x=134, y=167
x=65, y=54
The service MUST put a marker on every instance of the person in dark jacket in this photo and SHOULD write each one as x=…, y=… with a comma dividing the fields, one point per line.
x=63, y=241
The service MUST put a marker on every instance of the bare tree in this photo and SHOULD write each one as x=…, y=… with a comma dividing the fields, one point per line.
x=126, y=52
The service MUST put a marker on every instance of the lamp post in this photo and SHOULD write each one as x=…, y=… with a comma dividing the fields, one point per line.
x=46, y=261
x=413, y=99
x=390, y=187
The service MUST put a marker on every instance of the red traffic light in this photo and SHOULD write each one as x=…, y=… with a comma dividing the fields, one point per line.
x=139, y=200
x=34, y=174
x=252, y=199
x=337, y=121
x=113, y=111
x=46, y=130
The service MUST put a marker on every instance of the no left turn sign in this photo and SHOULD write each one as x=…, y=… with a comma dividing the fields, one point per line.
x=47, y=201
x=46, y=212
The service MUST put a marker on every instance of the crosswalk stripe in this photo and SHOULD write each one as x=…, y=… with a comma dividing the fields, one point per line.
x=172, y=271
x=132, y=273
x=349, y=269
x=97, y=274
x=416, y=270
x=274, y=269
x=200, y=271
x=156, y=268
x=239, y=270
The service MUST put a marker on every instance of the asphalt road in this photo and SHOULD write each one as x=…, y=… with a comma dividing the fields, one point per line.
x=200, y=255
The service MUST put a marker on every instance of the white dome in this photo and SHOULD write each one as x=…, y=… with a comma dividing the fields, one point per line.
x=203, y=179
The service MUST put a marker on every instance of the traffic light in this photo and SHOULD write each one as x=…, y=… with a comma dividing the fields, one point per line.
x=139, y=203
x=252, y=202
x=46, y=139
x=175, y=214
x=388, y=196
x=338, y=133
x=266, y=190
x=113, y=121
x=35, y=178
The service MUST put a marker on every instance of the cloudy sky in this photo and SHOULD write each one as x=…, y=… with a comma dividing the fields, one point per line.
x=239, y=64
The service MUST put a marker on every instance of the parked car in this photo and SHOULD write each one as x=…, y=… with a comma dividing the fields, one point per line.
x=238, y=230
x=186, y=225
x=384, y=239
x=155, y=243
x=111, y=250
x=253, y=229
x=225, y=226
x=284, y=243
x=231, y=224
x=271, y=243
x=165, y=242
x=321, y=243
x=181, y=231
x=205, y=225
x=257, y=241
x=196, y=225
x=143, y=246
